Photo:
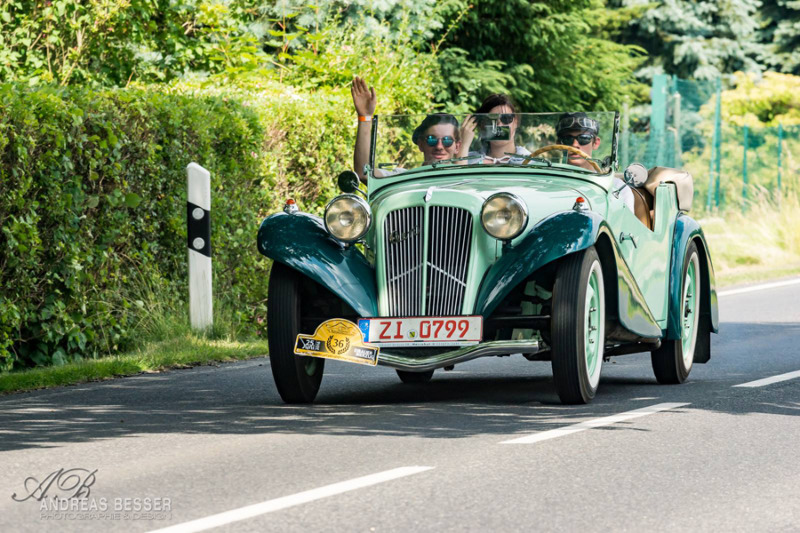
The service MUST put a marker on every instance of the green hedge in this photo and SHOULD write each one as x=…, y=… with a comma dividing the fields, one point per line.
x=92, y=212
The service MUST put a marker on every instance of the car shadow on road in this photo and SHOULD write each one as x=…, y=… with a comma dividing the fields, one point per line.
x=490, y=398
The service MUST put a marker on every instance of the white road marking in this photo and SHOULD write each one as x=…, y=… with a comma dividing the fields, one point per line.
x=277, y=504
x=770, y=380
x=762, y=287
x=597, y=422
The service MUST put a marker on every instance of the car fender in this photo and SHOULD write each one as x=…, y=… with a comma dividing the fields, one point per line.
x=300, y=241
x=688, y=229
x=552, y=238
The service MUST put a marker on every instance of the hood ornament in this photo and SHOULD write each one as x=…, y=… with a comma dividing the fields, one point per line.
x=429, y=193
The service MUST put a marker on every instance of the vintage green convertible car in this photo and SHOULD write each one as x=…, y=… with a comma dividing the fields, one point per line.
x=537, y=254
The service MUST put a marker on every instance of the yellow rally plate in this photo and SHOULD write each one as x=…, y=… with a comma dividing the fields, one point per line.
x=337, y=339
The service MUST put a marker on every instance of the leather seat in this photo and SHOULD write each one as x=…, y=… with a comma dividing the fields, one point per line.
x=682, y=180
x=644, y=197
x=643, y=206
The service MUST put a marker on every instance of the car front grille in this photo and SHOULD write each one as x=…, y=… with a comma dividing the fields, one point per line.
x=446, y=260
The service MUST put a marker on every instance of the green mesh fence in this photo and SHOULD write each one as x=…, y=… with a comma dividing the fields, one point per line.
x=730, y=164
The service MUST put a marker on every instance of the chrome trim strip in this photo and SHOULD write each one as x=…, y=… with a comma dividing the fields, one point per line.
x=467, y=353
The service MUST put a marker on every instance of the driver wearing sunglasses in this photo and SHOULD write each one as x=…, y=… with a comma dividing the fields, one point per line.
x=581, y=132
x=437, y=137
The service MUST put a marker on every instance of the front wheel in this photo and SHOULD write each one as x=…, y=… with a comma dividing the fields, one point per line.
x=672, y=362
x=296, y=378
x=577, y=327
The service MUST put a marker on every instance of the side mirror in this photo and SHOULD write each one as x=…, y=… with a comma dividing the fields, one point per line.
x=348, y=182
x=635, y=175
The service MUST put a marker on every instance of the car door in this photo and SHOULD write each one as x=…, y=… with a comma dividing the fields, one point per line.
x=647, y=252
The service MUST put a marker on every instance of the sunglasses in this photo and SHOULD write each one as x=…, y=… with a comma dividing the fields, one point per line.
x=583, y=139
x=432, y=141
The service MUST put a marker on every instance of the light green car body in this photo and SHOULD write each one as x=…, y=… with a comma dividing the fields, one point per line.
x=546, y=192
x=642, y=268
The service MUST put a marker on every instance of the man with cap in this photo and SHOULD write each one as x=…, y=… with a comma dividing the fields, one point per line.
x=581, y=132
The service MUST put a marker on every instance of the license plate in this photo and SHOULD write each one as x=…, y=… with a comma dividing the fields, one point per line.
x=422, y=331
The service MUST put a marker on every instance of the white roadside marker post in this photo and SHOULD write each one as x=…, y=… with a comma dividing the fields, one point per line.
x=198, y=219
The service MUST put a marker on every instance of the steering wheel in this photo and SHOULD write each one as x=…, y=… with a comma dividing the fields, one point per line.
x=572, y=149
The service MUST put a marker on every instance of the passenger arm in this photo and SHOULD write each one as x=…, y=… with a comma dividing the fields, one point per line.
x=364, y=100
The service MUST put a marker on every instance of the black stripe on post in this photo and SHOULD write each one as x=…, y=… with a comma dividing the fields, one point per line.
x=199, y=228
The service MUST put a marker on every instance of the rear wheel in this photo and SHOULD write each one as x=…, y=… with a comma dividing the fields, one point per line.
x=415, y=377
x=296, y=378
x=577, y=327
x=672, y=362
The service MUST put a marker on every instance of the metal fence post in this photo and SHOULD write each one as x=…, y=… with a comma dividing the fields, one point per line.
x=626, y=136
x=718, y=140
x=654, y=154
x=198, y=219
x=780, y=148
x=676, y=122
x=744, y=167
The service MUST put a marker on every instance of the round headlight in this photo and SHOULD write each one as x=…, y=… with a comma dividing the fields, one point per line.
x=504, y=216
x=347, y=217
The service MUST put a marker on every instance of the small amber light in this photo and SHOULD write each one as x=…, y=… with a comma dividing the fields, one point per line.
x=290, y=202
x=579, y=200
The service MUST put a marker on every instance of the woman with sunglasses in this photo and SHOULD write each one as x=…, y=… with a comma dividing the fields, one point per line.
x=437, y=136
x=497, y=110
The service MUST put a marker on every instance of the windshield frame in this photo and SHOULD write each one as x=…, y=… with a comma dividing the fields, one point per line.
x=613, y=165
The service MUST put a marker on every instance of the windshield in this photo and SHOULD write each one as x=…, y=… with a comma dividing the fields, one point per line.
x=406, y=142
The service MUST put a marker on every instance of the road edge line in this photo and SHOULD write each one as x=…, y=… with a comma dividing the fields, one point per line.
x=770, y=380
x=268, y=506
x=595, y=423
x=761, y=287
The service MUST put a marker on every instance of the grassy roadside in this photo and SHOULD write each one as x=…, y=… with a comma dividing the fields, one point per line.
x=758, y=244
x=179, y=352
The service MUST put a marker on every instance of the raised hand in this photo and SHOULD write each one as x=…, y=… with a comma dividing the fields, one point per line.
x=467, y=132
x=364, y=97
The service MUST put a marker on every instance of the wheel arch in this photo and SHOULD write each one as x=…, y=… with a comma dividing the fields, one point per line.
x=555, y=238
x=300, y=242
x=688, y=230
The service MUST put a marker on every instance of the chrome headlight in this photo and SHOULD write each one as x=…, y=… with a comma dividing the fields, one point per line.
x=347, y=217
x=504, y=215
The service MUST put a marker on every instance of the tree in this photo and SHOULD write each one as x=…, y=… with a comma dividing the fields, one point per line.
x=781, y=34
x=110, y=42
x=547, y=55
x=697, y=39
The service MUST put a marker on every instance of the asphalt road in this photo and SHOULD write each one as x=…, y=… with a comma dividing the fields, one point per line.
x=376, y=455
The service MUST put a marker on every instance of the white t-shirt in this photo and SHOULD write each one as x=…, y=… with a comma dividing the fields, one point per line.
x=520, y=151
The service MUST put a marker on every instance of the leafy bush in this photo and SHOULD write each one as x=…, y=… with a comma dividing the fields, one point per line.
x=761, y=105
x=92, y=208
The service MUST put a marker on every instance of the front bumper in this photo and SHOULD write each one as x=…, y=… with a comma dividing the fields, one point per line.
x=467, y=353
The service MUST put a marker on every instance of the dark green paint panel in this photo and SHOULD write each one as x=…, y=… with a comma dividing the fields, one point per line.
x=300, y=241
x=687, y=229
x=554, y=237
